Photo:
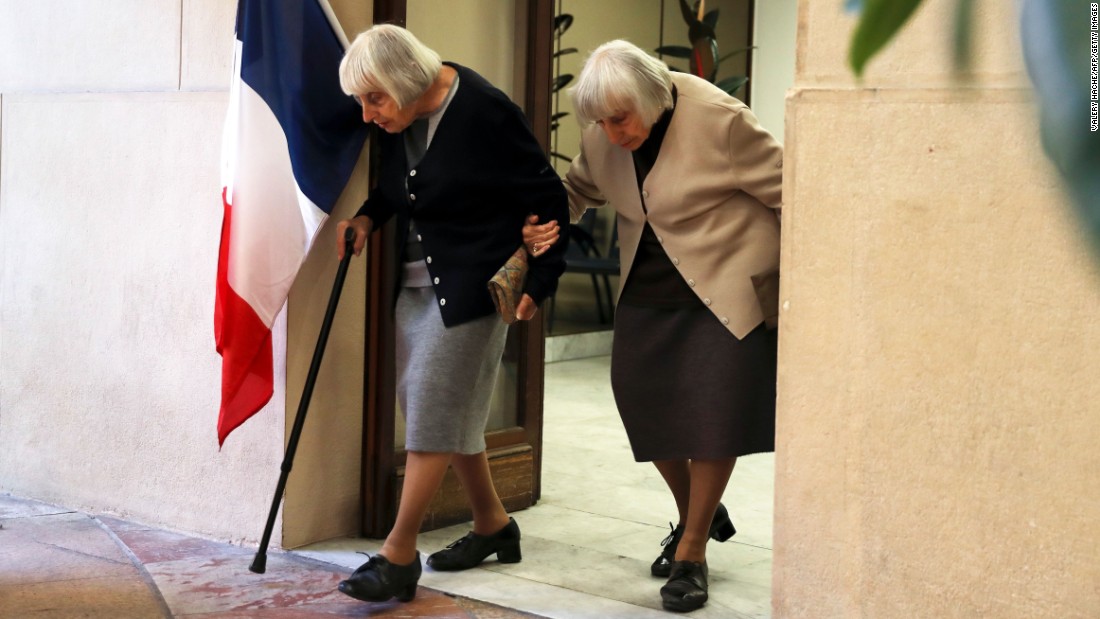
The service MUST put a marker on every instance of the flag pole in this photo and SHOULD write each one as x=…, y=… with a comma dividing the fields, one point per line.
x=259, y=563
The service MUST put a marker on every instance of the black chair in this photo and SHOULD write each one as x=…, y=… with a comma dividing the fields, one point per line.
x=583, y=256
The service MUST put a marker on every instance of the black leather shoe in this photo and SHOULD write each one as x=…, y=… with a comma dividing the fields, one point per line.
x=686, y=589
x=378, y=580
x=721, y=529
x=472, y=549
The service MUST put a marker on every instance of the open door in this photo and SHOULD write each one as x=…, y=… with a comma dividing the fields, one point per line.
x=514, y=434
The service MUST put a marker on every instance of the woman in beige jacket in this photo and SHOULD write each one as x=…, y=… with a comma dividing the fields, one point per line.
x=696, y=184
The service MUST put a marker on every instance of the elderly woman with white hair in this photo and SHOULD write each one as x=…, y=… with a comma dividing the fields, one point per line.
x=460, y=170
x=696, y=184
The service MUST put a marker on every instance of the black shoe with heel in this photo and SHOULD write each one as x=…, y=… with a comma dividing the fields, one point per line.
x=378, y=580
x=721, y=529
x=686, y=589
x=472, y=549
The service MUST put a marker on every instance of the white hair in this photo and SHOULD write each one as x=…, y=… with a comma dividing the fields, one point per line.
x=390, y=59
x=619, y=77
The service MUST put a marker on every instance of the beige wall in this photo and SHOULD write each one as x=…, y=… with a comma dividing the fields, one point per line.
x=479, y=34
x=936, y=452
x=322, y=493
x=109, y=226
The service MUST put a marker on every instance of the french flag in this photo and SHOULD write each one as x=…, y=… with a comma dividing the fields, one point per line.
x=291, y=140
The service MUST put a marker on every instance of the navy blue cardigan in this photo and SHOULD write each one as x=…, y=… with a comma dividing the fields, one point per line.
x=469, y=196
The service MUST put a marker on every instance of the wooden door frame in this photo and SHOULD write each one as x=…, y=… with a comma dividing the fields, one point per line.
x=378, y=494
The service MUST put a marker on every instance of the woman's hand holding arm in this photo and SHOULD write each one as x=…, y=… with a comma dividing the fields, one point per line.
x=537, y=238
x=362, y=225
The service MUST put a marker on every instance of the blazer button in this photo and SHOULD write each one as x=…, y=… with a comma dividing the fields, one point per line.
x=412, y=196
x=412, y=172
x=691, y=282
x=675, y=261
x=725, y=320
x=428, y=259
x=436, y=280
x=707, y=301
x=443, y=301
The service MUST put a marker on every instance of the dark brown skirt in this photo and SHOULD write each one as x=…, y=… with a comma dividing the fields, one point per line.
x=686, y=388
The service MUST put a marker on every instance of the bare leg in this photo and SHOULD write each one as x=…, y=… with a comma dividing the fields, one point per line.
x=677, y=474
x=423, y=475
x=708, y=481
x=473, y=472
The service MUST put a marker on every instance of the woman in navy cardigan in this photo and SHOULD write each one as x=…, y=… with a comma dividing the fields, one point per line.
x=460, y=170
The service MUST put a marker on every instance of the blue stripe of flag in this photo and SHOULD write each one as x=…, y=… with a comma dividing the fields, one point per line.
x=290, y=56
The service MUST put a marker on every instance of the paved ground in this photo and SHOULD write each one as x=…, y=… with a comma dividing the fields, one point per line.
x=57, y=563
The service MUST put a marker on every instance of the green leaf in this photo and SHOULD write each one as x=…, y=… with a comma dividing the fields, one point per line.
x=676, y=51
x=562, y=23
x=879, y=22
x=1053, y=35
x=711, y=18
x=735, y=52
x=732, y=84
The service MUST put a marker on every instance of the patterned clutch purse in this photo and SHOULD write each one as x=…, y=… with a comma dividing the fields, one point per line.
x=506, y=287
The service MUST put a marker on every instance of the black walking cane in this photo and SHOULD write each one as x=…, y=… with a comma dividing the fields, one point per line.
x=259, y=564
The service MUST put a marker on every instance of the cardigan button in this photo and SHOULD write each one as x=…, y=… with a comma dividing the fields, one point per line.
x=412, y=172
x=660, y=239
x=725, y=320
x=645, y=194
x=691, y=282
x=443, y=301
x=436, y=280
x=419, y=238
x=428, y=259
x=707, y=301
x=675, y=261
x=412, y=196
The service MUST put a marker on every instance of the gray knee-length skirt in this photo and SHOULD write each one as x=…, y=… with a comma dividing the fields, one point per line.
x=445, y=377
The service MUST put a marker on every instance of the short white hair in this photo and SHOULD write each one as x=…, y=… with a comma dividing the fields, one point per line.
x=619, y=77
x=390, y=59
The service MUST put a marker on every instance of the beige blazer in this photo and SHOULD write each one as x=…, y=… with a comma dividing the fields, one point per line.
x=710, y=198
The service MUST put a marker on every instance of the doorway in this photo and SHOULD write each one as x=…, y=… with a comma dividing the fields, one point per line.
x=600, y=516
x=507, y=41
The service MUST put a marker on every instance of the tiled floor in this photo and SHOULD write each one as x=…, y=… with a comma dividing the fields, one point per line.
x=588, y=543
x=60, y=564
x=587, y=546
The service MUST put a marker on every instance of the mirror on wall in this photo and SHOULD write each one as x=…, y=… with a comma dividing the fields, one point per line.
x=716, y=33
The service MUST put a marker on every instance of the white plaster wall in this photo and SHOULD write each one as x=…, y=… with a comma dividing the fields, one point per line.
x=92, y=45
x=936, y=426
x=109, y=381
x=110, y=216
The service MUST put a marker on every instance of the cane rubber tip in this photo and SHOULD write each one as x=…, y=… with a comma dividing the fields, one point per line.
x=259, y=565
